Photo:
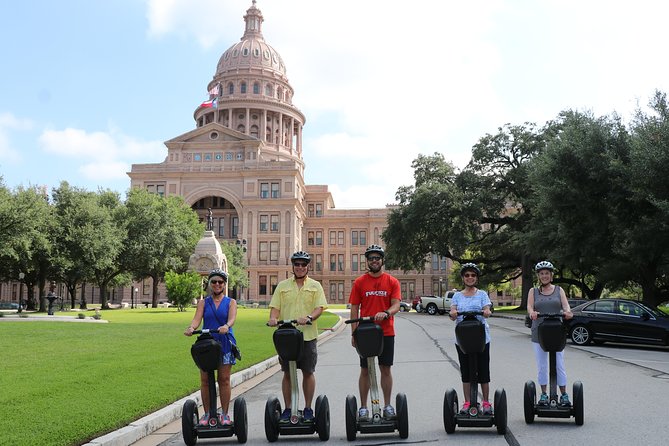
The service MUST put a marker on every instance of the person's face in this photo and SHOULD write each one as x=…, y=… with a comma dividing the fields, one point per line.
x=469, y=278
x=374, y=262
x=545, y=276
x=300, y=269
x=217, y=285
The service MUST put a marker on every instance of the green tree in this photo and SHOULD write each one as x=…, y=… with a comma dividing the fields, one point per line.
x=183, y=288
x=162, y=234
x=237, y=277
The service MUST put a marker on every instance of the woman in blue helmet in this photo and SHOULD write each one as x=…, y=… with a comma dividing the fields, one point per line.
x=219, y=312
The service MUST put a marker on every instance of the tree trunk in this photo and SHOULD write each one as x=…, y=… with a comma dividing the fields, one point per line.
x=154, y=290
x=104, y=303
x=82, y=304
x=527, y=278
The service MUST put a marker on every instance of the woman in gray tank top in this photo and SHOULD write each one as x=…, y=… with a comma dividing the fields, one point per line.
x=548, y=298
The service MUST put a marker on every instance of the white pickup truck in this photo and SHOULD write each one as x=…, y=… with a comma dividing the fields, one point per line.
x=435, y=304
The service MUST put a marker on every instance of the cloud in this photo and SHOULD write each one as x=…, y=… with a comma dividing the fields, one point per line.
x=9, y=123
x=103, y=155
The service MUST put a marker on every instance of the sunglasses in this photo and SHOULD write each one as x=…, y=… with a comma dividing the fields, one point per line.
x=374, y=258
x=217, y=282
x=300, y=264
x=469, y=275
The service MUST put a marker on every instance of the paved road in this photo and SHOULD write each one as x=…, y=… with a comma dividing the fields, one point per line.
x=626, y=390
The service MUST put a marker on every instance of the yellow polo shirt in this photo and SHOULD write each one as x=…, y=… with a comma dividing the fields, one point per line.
x=294, y=303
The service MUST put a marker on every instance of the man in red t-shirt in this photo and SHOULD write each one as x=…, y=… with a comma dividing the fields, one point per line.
x=376, y=294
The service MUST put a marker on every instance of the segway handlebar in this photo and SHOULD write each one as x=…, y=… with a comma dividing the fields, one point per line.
x=470, y=313
x=549, y=315
x=286, y=321
x=360, y=319
x=206, y=330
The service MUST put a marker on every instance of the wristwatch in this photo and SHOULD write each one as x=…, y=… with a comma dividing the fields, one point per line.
x=310, y=318
x=387, y=313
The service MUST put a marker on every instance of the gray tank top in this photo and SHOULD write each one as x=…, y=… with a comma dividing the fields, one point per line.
x=543, y=303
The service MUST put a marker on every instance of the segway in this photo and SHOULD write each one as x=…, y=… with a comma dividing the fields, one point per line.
x=470, y=333
x=206, y=352
x=289, y=341
x=369, y=344
x=552, y=338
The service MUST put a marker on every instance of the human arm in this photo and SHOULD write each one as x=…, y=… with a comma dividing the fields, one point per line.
x=530, y=305
x=355, y=314
x=197, y=318
x=274, y=314
x=232, y=316
x=566, y=310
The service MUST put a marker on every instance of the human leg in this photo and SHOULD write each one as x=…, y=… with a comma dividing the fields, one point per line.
x=204, y=395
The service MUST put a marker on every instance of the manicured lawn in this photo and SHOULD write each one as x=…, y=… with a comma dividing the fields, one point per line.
x=64, y=383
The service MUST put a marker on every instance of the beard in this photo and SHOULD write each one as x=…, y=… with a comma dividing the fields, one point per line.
x=374, y=269
x=297, y=276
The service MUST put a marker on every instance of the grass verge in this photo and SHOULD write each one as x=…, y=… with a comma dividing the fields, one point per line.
x=67, y=383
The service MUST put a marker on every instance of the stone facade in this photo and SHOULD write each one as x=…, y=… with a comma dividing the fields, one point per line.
x=244, y=161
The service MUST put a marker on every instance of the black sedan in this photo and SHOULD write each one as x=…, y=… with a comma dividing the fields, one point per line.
x=618, y=320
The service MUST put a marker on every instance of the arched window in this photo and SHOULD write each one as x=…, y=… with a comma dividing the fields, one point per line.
x=241, y=128
x=256, y=88
x=231, y=88
x=268, y=90
x=254, y=131
x=243, y=88
x=268, y=134
x=279, y=93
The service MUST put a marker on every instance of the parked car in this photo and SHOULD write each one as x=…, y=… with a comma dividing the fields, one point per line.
x=573, y=303
x=436, y=304
x=415, y=302
x=9, y=306
x=404, y=307
x=618, y=320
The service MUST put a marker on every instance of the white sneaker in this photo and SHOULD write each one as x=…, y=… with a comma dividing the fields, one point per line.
x=388, y=411
x=363, y=413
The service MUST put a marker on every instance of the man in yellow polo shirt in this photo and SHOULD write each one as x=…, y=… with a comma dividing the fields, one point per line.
x=301, y=298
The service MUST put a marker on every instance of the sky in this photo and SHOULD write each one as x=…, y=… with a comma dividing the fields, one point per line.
x=89, y=87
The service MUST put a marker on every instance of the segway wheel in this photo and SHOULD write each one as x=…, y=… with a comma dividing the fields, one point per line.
x=323, y=417
x=189, y=417
x=529, y=400
x=450, y=410
x=402, y=415
x=500, y=411
x=272, y=414
x=351, y=418
x=578, y=403
x=241, y=420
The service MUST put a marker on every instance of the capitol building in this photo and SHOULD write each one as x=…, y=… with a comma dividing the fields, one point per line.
x=244, y=161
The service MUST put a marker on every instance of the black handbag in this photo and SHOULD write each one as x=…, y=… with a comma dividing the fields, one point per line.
x=233, y=347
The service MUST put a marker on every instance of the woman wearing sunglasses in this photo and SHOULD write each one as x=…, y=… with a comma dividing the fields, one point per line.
x=219, y=312
x=473, y=299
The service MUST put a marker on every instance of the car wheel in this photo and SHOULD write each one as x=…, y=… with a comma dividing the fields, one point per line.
x=581, y=335
x=404, y=309
x=431, y=309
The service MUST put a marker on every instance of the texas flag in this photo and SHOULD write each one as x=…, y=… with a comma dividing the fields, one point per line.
x=211, y=103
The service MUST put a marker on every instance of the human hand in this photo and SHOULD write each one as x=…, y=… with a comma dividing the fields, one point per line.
x=453, y=314
x=534, y=315
x=189, y=331
x=271, y=322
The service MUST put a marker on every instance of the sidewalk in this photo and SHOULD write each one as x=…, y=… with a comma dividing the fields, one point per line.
x=161, y=425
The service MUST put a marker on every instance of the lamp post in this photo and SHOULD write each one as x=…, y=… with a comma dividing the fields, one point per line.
x=133, y=291
x=241, y=244
x=441, y=280
x=21, y=276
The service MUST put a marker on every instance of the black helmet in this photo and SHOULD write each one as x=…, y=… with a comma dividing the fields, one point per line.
x=300, y=255
x=470, y=267
x=218, y=272
x=544, y=264
x=374, y=248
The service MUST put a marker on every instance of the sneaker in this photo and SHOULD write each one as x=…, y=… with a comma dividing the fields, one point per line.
x=308, y=414
x=363, y=413
x=388, y=411
x=564, y=400
x=285, y=415
x=543, y=399
x=204, y=421
x=224, y=419
x=465, y=407
x=487, y=408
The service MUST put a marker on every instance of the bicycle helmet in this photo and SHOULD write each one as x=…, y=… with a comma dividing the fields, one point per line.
x=300, y=255
x=218, y=272
x=544, y=264
x=374, y=248
x=470, y=267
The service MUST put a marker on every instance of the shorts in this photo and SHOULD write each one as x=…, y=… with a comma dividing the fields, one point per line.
x=307, y=362
x=387, y=354
x=483, y=363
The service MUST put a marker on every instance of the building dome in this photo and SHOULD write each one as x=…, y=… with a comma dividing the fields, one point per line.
x=252, y=52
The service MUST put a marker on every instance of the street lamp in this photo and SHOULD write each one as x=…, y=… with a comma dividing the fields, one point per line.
x=133, y=291
x=441, y=280
x=21, y=276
